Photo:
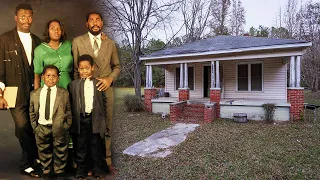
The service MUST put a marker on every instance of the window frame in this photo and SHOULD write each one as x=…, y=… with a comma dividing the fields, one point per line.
x=249, y=76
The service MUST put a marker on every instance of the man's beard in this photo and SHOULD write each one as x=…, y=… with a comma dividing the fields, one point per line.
x=94, y=32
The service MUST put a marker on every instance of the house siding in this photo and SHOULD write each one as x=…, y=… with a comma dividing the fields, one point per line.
x=170, y=80
x=274, y=81
x=274, y=77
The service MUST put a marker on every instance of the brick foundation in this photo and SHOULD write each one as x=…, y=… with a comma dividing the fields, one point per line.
x=296, y=99
x=215, y=96
x=148, y=95
x=184, y=94
x=209, y=113
x=176, y=110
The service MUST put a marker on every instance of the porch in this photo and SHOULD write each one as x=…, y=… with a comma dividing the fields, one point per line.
x=252, y=107
x=236, y=74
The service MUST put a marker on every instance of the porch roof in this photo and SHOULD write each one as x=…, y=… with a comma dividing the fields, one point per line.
x=226, y=45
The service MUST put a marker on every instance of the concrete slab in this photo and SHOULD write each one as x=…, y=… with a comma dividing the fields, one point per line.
x=159, y=144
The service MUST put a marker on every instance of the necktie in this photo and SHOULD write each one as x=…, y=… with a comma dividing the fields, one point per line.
x=47, y=109
x=95, y=46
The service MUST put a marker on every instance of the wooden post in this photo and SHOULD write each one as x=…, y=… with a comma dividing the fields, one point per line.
x=292, y=72
x=181, y=76
x=186, y=75
x=298, y=71
x=217, y=75
x=212, y=75
x=147, y=77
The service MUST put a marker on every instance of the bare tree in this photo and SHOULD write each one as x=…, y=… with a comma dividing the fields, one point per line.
x=220, y=14
x=196, y=14
x=290, y=17
x=309, y=29
x=237, y=19
x=134, y=20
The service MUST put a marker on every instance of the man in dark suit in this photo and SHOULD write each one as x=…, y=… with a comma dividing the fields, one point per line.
x=16, y=69
x=106, y=65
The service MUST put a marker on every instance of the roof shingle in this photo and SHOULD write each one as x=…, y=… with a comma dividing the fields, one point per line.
x=219, y=43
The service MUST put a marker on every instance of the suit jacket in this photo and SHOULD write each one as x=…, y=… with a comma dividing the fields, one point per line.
x=14, y=66
x=61, y=117
x=98, y=108
x=107, y=63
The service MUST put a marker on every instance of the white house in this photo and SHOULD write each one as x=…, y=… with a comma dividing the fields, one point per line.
x=231, y=74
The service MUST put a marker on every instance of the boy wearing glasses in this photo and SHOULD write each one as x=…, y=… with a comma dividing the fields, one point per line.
x=89, y=113
x=51, y=117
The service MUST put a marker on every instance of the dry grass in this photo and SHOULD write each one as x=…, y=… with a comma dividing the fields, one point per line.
x=220, y=150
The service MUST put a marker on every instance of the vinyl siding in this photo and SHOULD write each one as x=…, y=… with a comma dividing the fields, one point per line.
x=274, y=77
x=170, y=80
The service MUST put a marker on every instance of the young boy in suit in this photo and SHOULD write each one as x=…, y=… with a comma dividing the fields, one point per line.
x=51, y=117
x=89, y=113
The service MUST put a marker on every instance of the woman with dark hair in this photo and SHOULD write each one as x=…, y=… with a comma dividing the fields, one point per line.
x=55, y=50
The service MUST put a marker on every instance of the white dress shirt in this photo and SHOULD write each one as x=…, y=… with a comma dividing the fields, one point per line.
x=92, y=39
x=2, y=86
x=88, y=95
x=43, y=94
x=26, y=40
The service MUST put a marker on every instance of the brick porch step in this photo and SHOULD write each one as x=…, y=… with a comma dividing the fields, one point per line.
x=192, y=113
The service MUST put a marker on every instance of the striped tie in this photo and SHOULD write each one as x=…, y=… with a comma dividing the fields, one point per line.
x=95, y=47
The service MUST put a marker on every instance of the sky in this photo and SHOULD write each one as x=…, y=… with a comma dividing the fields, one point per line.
x=265, y=12
x=258, y=12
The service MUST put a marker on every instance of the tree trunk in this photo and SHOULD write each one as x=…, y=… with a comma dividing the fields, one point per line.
x=137, y=78
x=137, y=68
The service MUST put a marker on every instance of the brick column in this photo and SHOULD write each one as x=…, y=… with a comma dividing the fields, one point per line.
x=149, y=93
x=215, y=96
x=176, y=110
x=209, y=112
x=184, y=94
x=296, y=99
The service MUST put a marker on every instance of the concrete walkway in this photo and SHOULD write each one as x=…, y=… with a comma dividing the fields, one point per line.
x=159, y=144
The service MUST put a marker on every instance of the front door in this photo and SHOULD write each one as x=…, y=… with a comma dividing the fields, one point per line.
x=207, y=80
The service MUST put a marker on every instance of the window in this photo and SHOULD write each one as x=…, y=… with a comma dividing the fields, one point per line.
x=190, y=78
x=256, y=77
x=249, y=77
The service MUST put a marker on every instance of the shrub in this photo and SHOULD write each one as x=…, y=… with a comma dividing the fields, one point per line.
x=132, y=103
x=269, y=109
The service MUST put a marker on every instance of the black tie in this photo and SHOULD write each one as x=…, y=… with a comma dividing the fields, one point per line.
x=47, y=110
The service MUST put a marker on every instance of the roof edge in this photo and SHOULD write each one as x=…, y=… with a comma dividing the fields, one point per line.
x=303, y=45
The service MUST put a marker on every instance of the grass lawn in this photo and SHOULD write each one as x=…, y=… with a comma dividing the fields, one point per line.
x=220, y=150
